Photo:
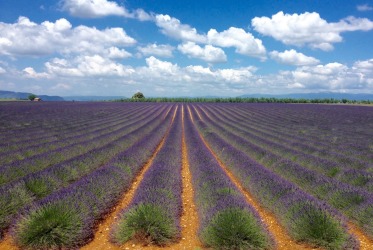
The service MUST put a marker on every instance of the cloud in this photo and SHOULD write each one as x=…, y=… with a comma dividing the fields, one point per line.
x=364, y=66
x=26, y=38
x=292, y=57
x=172, y=27
x=155, y=71
x=94, y=8
x=364, y=7
x=2, y=71
x=334, y=77
x=163, y=50
x=101, y=8
x=308, y=29
x=157, y=75
x=243, y=41
x=208, y=53
x=142, y=15
x=158, y=67
x=115, y=53
x=87, y=66
x=29, y=72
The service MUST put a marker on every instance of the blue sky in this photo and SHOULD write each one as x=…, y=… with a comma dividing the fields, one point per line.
x=186, y=48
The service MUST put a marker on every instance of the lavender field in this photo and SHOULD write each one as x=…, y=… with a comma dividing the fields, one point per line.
x=261, y=176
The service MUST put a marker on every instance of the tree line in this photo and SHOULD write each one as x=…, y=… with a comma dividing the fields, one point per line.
x=244, y=100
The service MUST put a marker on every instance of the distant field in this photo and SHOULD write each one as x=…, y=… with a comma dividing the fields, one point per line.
x=185, y=176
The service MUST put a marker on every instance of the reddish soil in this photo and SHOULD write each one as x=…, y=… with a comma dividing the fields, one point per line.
x=366, y=243
x=7, y=244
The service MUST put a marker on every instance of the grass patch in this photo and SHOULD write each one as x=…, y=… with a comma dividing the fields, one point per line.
x=346, y=199
x=52, y=226
x=319, y=228
x=332, y=172
x=234, y=228
x=11, y=202
x=148, y=224
x=39, y=187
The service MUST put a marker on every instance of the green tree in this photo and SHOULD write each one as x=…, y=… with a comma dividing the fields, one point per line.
x=138, y=95
x=31, y=97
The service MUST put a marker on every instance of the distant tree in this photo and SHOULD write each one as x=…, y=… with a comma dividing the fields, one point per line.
x=138, y=95
x=31, y=97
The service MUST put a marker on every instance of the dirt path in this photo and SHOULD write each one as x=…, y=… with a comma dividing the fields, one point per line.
x=366, y=243
x=7, y=244
x=189, y=219
x=282, y=239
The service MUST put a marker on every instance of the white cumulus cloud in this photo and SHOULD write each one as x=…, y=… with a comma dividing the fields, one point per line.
x=26, y=38
x=93, y=8
x=29, y=72
x=244, y=42
x=172, y=27
x=161, y=67
x=308, y=29
x=115, y=53
x=87, y=66
x=162, y=50
x=101, y=8
x=332, y=77
x=292, y=57
x=208, y=53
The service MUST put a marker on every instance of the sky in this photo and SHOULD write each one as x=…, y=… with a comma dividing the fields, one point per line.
x=186, y=48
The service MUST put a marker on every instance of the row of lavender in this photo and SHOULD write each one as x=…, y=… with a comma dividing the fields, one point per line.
x=300, y=131
x=60, y=135
x=361, y=177
x=67, y=130
x=80, y=133
x=20, y=168
x=314, y=128
x=61, y=139
x=311, y=145
x=305, y=218
x=35, y=122
x=355, y=203
x=227, y=221
x=154, y=213
x=68, y=217
x=35, y=186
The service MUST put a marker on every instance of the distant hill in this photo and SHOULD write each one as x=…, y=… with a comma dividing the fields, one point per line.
x=322, y=95
x=92, y=98
x=22, y=95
